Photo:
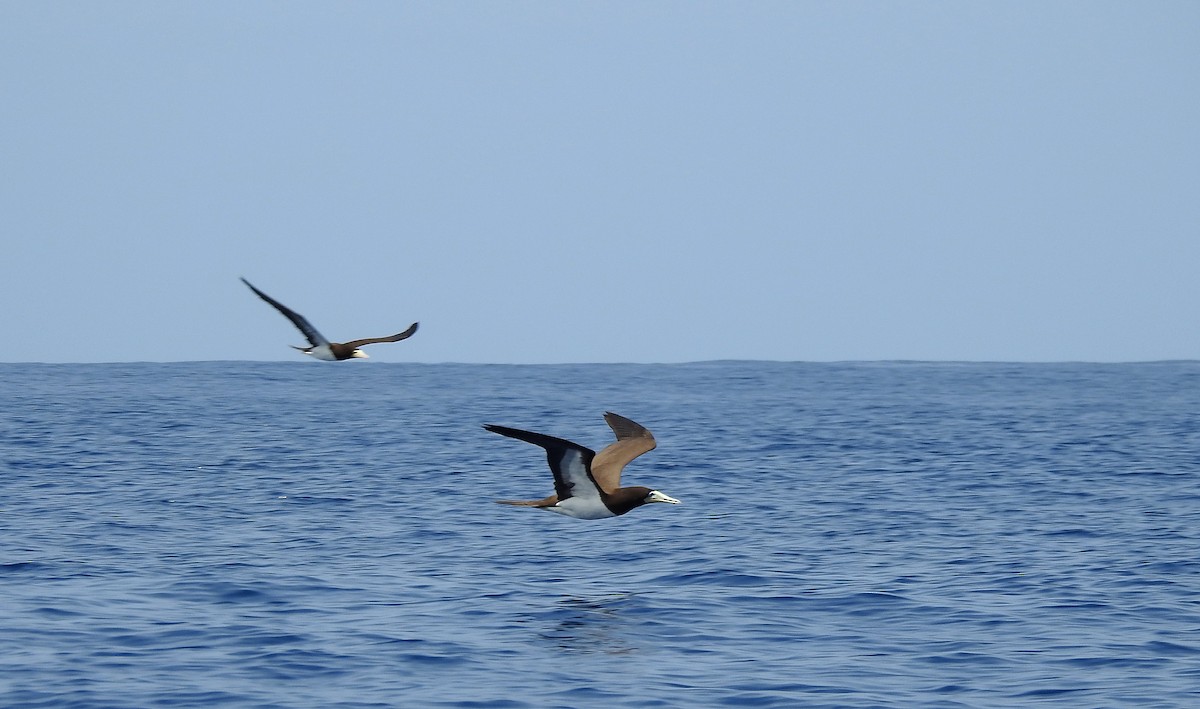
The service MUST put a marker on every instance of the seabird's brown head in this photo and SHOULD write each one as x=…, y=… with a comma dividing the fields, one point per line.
x=625, y=499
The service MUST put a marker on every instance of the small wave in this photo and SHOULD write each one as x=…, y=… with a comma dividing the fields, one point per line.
x=53, y=612
x=713, y=578
x=436, y=659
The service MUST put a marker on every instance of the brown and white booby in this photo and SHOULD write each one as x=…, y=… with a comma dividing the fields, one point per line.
x=587, y=485
x=320, y=347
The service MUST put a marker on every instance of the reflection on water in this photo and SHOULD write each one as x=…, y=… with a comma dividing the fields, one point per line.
x=596, y=624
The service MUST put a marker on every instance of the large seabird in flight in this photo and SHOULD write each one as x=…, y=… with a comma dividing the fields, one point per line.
x=587, y=484
x=320, y=347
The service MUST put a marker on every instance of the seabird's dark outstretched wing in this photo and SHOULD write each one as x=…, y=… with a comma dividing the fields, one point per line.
x=570, y=462
x=394, y=338
x=310, y=332
x=633, y=439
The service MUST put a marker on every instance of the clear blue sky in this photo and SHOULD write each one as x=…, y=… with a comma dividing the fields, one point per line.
x=602, y=181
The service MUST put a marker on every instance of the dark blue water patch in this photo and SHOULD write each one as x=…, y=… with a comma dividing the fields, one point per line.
x=85, y=699
x=17, y=568
x=1076, y=533
x=863, y=604
x=202, y=699
x=1084, y=606
x=965, y=658
x=587, y=695
x=1103, y=662
x=1171, y=568
x=486, y=704
x=1169, y=649
x=756, y=699
x=314, y=499
x=713, y=578
x=253, y=637
x=295, y=663
x=1050, y=692
x=223, y=592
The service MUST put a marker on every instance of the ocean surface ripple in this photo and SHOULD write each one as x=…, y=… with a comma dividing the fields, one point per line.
x=894, y=534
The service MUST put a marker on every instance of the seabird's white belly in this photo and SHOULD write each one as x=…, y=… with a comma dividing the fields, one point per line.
x=323, y=353
x=581, y=508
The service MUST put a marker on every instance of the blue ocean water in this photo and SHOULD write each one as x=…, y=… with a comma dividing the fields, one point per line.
x=300, y=534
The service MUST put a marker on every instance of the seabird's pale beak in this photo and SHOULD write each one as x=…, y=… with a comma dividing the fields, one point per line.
x=656, y=496
x=359, y=354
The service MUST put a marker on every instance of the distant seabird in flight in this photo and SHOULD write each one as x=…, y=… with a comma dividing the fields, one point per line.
x=587, y=484
x=320, y=347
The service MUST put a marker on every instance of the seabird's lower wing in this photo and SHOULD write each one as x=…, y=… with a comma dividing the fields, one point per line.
x=570, y=462
x=310, y=332
x=412, y=329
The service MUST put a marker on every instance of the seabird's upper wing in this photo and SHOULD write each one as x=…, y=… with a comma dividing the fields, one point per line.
x=570, y=462
x=310, y=332
x=394, y=338
x=633, y=439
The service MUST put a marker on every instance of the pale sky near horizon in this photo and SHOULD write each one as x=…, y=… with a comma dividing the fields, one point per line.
x=601, y=181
